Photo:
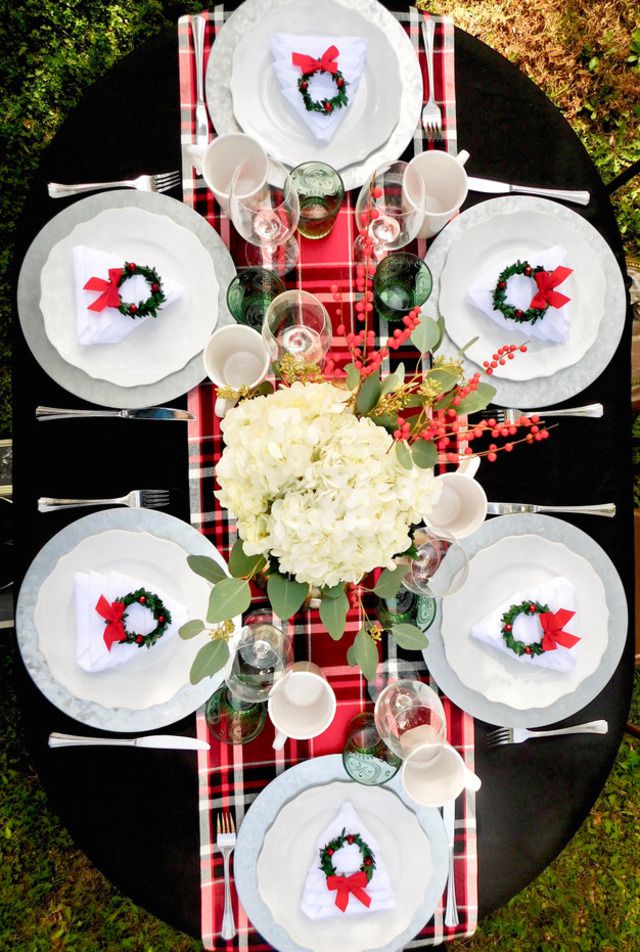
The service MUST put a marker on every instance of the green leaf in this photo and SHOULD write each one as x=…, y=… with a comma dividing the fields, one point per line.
x=393, y=381
x=206, y=567
x=386, y=420
x=441, y=325
x=286, y=595
x=443, y=378
x=390, y=581
x=212, y=657
x=229, y=598
x=334, y=592
x=469, y=344
x=353, y=376
x=477, y=399
x=408, y=636
x=191, y=629
x=403, y=454
x=351, y=656
x=426, y=335
x=424, y=453
x=263, y=389
x=365, y=654
x=240, y=564
x=369, y=394
x=333, y=613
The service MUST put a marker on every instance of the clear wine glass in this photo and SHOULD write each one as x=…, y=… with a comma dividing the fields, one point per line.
x=390, y=209
x=265, y=209
x=409, y=714
x=440, y=567
x=297, y=324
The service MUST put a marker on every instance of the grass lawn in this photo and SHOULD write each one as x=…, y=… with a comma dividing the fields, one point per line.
x=585, y=55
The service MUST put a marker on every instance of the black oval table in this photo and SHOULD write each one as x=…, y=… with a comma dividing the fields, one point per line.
x=136, y=817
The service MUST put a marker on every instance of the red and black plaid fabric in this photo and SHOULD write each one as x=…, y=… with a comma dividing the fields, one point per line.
x=232, y=776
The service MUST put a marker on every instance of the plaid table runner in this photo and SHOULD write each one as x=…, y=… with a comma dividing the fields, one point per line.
x=231, y=777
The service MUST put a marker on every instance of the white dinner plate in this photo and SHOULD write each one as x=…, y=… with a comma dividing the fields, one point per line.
x=548, y=373
x=263, y=112
x=506, y=554
x=153, y=689
x=159, y=346
x=367, y=15
x=276, y=846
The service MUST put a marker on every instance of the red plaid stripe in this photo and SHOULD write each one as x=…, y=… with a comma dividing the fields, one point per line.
x=232, y=777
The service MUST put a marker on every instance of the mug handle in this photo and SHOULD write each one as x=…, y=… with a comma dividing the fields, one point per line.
x=222, y=407
x=471, y=781
x=196, y=154
x=279, y=740
x=469, y=467
x=462, y=156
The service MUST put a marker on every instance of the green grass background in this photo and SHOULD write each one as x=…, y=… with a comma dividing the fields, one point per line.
x=584, y=54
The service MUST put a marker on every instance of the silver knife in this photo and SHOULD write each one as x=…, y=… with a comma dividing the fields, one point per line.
x=145, y=413
x=198, y=24
x=508, y=508
x=499, y=188
x=449, y=819
x=155, y=741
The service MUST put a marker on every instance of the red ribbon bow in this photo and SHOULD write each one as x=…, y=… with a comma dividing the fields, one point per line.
x=552, y=625
x=348, y=885
x=109, y=296
x=112, y=612
x=547, y=281
x=308, y=64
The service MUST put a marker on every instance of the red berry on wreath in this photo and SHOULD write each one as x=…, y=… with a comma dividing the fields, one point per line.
x=139, y=639
x=527, y=271
x=340, y=83
x=532, y=609
x=329, y=852
x=132, y=266
x=155, y=287
x=142, y=599
x=368, y=861
x=350, y=838
x=304, y=87
x=518, y=312
x=527, y=650
x=502, y=285
x=327, y=106
x=160, y=619
x=133, y=309
x=508, y=627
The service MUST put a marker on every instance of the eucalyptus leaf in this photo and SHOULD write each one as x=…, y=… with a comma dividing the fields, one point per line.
x=424, y=453
x=333, y=614
x=242, y=565
x=474, y=340
x=404, y=455
x=444, y=378
x=369, y=394
x=410, y=637
x=353, y=376
x=212, y=657
x=334, y=592
x=390, y=581
x=286, y=595
x=425, y=336
x=263, y=389
x=386, y=420
x=229, y=598
x=441, y=326
x=191, y=629
x=351, y=656
x=393, y=381
x=365, y=653
x=477, y=399
x=206, y=567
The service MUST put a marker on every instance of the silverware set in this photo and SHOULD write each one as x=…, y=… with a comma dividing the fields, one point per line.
x=517, y=735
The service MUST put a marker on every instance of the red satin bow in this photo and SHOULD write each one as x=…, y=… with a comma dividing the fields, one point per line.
x=347, y=885
x=109, y=296
x=547, y=281
x=308, y=64
x=112, y=612
x=552, y=625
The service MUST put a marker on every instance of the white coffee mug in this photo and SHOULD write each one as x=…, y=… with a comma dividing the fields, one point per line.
x=435, y=773
x=446, y=186
x=461, y=507
x=235, y=357
x=218, y=161
x=302, y=704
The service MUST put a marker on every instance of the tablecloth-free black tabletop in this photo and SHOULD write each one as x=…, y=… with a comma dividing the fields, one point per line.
x=136, y=816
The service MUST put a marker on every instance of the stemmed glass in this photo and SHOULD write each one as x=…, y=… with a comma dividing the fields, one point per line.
x=390, y=209
x=237, y=711
x=265, y=210
x=297, y=324
x=440, y=566
x=409, y=714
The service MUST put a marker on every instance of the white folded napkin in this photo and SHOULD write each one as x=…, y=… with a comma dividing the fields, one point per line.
x=558, y=593
x=318, y=901
x=555, y=326
x=92, y=653
x=351, y=61
x=110, y=326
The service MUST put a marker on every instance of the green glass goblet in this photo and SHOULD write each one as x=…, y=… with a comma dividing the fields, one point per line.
x=232, y=720
x=366, y=757
x=250, y=294
x=402, y=281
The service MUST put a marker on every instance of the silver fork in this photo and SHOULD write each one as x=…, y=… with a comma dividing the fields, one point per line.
x=431, y=114
x=145, y=183
x=137, y=499
x=512, y=414
x=516, y=735
x=226, y=841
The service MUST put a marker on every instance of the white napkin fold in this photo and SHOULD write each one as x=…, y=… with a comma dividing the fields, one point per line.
x=351, y=61
x=110, y=326
x=92, y=653
x=319, y=902
x=558, y=593
x=555, y=326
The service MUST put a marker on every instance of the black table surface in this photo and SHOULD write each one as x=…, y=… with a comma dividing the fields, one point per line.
x=135, y=813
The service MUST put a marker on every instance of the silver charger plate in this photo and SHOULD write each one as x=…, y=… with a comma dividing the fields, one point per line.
x=74, y=379
x=503, y=715
x=571, y=380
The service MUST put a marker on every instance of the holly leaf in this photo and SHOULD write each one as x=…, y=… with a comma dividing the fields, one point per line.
x=240, y=564
x=426, y=335
x=369, y=394
x=353, y=376
x=333, y=614
x=206, y=567
x=191, y=629
x=286, y=595
x=228, y=598
x=410, y=637
x=211, y=658
x=403, y=454
x=477, y=399
x=365, y=653
x=424, y=453
x=390, y=581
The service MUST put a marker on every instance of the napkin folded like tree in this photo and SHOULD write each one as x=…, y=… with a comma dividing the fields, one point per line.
x=350, y=60
x=92, y=653
x=347, y=892
x=109, y=325
x=554, y=327
x=559, y=595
